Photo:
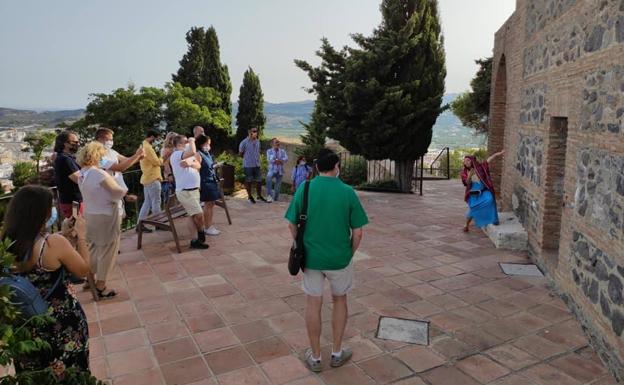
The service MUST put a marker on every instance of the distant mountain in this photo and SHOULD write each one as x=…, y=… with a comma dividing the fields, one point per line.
x=13, y=117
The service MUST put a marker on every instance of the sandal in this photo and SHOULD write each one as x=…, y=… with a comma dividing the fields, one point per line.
x=101, y=293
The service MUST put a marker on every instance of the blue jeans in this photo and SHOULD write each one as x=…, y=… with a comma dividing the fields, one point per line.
x=151, y=199
x=278, y=185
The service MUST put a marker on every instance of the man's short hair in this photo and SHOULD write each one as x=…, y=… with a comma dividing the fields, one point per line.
x=326, y=160
x=178, y=140
x=102, y=132
x=153, y=133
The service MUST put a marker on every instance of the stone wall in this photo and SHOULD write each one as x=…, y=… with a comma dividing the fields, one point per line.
x=557, y=110
x=603, y=101
x=540, y=12
x=533, y=107
x=599, y=28
x=529, y=158
x=600, y=278
x=599, y=192
x=527, y=208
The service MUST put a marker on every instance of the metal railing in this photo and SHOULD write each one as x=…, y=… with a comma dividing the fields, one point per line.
x=439, y=170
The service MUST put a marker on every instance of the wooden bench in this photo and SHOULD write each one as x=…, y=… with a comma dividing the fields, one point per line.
x=173, y=210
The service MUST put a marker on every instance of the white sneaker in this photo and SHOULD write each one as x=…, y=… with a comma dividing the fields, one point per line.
x=269, y=199
x=211, y=231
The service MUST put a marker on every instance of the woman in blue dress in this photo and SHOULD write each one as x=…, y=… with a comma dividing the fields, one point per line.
x=479, y=193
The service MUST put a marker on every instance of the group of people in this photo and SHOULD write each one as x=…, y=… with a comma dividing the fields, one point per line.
x=277, y=158
x=91, y=191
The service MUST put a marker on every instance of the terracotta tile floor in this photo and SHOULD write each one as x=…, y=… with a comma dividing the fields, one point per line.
x=233, y=315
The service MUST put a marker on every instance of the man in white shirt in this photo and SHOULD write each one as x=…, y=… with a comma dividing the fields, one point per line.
x=185, y=165
x=115, y=163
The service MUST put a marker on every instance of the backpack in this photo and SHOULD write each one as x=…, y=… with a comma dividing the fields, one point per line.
x=25, y=296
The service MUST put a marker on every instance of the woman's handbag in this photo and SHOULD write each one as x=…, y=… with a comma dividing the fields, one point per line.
x=296, y=260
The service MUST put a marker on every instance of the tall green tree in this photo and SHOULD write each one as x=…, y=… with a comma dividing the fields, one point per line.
x=382, y=98
x=314, y=138
x=192, y=63
x=250, y=106
x=201, y=65
x=214, y=73
x=37, y=142
x=126, y=111
x=187, y=107
x=473, y=107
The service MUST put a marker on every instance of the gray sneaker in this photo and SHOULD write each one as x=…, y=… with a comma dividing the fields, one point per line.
x=342, y=358
x=313, y=365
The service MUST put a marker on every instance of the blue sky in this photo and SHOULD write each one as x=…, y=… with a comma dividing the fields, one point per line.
x=55, y=53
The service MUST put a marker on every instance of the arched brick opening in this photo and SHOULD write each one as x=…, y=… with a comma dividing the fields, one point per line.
x=496, y=132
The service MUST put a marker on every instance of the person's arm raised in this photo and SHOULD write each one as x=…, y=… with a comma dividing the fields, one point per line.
x=125, y=163
x=494, y=156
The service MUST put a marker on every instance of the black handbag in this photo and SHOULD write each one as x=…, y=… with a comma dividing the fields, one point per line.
x=296, y=260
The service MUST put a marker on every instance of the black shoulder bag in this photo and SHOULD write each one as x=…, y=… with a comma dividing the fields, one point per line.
x=296, y=260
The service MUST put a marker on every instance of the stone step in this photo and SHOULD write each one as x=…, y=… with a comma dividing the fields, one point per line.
x=509, y=234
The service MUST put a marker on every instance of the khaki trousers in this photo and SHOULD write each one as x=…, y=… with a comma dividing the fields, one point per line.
x=103, y=235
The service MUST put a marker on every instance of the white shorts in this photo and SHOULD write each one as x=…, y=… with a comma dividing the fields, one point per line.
x=190, y=201
x=341, y=281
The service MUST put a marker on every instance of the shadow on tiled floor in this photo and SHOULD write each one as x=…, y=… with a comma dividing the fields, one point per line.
x=233, y=315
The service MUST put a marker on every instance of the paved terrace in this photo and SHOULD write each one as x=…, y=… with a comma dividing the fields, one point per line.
x=233, y=315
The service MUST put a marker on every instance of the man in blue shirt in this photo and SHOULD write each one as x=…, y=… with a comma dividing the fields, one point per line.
x=277, y=158
x=249, y=149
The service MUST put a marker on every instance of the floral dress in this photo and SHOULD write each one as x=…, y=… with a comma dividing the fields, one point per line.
x=68, y=336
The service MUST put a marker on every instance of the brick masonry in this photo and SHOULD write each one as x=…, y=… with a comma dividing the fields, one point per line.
x=557, y=109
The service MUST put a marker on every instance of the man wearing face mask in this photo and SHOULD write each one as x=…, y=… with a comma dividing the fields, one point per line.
x=332, y=235
x=115, y=163
x=151, y=177
x=66, y=171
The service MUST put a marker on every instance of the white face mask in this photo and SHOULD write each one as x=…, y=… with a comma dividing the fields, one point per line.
x=108, y=144
x=301, y=163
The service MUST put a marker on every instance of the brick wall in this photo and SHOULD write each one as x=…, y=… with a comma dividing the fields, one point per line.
x=558, y=110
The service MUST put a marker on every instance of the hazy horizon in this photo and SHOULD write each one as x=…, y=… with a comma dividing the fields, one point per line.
x=57, y=53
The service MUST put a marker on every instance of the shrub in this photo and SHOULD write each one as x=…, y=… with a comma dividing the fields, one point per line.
x=353, y=170
x=22, y=172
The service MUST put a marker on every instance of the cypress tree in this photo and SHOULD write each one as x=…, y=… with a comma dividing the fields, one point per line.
x=215, y=74
x=250, y=106
x=381, y=99
x=190, y=71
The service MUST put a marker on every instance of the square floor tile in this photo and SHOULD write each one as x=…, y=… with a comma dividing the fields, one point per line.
x=252, y=331
x=419, y=358
x=228, y=360
x=385, y=369
x=482, y=368
x=267, y=349
x=185, y=371
x=216, y=339
x=175, y=350
x=285, y=369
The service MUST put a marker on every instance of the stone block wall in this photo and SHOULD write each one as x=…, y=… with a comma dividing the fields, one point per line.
x=557, y=110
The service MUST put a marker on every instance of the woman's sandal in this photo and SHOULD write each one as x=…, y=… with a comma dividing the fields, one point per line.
x=106, y=295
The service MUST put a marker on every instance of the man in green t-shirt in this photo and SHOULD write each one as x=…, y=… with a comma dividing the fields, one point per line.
x=332, y=235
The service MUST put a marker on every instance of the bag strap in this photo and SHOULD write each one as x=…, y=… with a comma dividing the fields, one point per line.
x=303, y=216
x=61, y=274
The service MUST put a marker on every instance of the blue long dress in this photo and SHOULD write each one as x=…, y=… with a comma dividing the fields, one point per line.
x=482, y=206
